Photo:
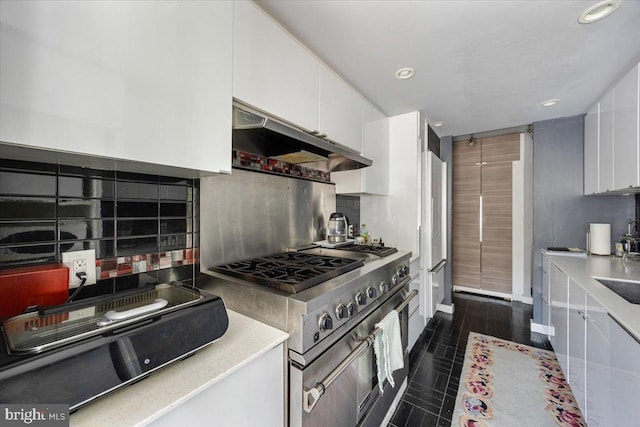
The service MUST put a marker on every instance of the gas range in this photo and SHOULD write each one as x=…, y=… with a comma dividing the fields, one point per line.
x=320, y=309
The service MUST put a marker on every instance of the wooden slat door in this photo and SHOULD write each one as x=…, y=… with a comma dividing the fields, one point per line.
x=496, y=246
x=482, y=255
x=466, y=215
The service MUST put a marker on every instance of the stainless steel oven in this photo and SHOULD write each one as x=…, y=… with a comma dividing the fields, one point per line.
x=340, y=388
x=329, y=301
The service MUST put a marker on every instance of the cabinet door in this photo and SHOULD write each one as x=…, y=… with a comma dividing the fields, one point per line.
x=605, y=149
x=503, y=148
x=625, y=131
x=271, y=70
x=466, y=215
x=398, y=226
x=546, y=295
x=341, y=111
x=219, y=404
x=417, y=320
x=496, y=238
x=375, y=178
x=577, y=342
x=559, y=314
x=142, y=81
x=591, y=123
x=598, y=369
x=625, y=354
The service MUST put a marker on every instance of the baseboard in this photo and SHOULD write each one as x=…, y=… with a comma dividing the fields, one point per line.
x=483, y=292
x=523, y=299
x=445, y=308
x=542, y=329
x=394, y=404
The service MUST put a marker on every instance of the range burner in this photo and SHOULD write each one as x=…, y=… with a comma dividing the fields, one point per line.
x=290, y=271
x=381, y=251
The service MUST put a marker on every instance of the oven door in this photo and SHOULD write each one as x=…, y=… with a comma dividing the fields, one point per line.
x=340, y=388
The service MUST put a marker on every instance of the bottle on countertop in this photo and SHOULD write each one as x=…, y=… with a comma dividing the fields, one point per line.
x=364, y=233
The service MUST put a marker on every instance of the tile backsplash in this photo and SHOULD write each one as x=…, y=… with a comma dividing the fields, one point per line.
x=144, y=228
x=350, y=207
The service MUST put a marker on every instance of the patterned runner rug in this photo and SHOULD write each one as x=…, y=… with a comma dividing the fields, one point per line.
x=504, y=384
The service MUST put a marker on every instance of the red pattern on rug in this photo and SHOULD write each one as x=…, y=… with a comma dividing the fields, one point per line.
x=476, y=402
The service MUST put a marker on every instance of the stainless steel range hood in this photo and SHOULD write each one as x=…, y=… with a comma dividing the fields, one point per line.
x=258, y=133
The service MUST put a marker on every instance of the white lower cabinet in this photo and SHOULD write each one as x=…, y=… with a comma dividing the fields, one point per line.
x=598, y=365
x=251, y=396
x=559, y=314
x=417, y=319
x=546, y=295
x=577, y=342
x=599, y=358
x=625, y=377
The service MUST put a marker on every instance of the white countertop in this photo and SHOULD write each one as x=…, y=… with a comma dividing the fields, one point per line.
x=143, y=402
x=583, y=269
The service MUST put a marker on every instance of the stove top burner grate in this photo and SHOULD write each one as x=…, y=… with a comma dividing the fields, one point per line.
x=291, y=272
x=381, y=251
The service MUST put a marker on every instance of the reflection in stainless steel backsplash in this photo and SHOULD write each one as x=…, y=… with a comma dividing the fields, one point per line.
x=251, y=214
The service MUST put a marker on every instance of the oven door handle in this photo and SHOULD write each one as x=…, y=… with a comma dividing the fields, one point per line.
x=312, y=395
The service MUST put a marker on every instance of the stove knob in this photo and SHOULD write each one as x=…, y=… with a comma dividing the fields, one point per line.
x=325, y=322
x=405, y=270
x=394, y=279
x=383, y=286
x=371, y=292
x=352, y=310
x=361, y=299
x=341, y=311
x=400, y=273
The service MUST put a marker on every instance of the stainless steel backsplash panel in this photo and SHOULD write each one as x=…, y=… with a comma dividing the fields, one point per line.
x=250, y=214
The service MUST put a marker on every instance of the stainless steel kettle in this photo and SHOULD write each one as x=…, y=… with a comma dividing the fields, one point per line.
x=337, y=229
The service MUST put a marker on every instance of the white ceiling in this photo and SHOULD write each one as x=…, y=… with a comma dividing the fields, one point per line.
x=480, y=65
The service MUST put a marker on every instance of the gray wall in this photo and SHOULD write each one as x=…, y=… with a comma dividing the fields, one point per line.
x=561, y=214
x=446, y=155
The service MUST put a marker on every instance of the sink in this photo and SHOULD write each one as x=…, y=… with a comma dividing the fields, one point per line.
x=627, y=290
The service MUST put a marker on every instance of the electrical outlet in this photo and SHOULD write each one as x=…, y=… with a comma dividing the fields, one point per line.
x=80, y=262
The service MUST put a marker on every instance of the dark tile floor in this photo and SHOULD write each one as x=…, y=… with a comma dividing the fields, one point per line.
x=435, y=363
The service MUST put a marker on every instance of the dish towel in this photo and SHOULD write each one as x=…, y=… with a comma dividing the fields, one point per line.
x=387, y=346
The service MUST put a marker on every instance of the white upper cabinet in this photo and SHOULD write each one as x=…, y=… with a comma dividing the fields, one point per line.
x=605, y=148
x=625, y=132
x=140, y=81
x=271, y=70
x=612, y=139
x=341, y=111
x=591, y=122
x=397, y=218
x=373, y=179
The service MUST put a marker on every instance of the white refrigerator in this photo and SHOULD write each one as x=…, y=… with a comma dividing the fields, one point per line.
x=434, y=240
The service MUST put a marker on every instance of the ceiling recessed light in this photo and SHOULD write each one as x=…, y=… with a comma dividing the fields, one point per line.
x=405, y=73
x=437, y=124
x=549, y=102
x=598, y=11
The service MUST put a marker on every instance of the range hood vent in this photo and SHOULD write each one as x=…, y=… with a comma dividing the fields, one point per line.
x=258, y=133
